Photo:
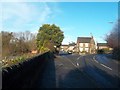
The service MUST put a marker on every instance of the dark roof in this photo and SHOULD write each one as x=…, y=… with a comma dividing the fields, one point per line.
x=84, y=39
x=72, y=44
x=101, y=44
x=64, y=45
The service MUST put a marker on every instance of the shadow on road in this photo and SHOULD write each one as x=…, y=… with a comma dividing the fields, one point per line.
x=64, y=54
x=83, y=77
x=95, y=77
x=48, y=78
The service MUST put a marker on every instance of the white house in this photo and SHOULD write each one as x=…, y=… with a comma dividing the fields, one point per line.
x=86, y=45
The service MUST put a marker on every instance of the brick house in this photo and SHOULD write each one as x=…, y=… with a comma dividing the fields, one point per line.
x=86, y=45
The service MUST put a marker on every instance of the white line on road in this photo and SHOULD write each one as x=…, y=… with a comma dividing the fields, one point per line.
x=95, y=60
x=77, y=64
x=94, y=57
x=101, y=64
x=83, y=73
x=106, y=66
x=70, y=61
x=77, y=61
x=78, y=58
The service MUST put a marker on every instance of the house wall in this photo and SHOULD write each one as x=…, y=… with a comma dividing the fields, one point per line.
x=64, y=48
x=84, y=47
x=71, y=48
x=103, y=47
x=92, y=46
x=88, y=47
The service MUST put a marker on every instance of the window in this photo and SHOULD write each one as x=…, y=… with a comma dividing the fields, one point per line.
x=86, y=44
x=86, y=49
x=81, y=49
x=81, y=44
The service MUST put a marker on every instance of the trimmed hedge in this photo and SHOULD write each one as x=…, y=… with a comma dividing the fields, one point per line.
x=24, y=74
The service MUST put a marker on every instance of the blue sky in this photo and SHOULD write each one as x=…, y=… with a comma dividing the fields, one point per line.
x=75, y=19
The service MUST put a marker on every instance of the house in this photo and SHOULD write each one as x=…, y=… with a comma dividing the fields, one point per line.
x=86, y=45
x=103, y=46
x=64, y=47
x=70, y=47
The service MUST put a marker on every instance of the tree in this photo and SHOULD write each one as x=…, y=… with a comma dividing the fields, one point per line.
x=25, y=42
x=6, y=39
x=113, y=39
x=114, y=36
x=48, y=37
x=16, y=43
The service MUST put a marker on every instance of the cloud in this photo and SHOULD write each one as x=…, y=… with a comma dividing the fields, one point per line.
x=25, y=15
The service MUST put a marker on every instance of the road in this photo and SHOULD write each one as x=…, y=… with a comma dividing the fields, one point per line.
x=76, y=71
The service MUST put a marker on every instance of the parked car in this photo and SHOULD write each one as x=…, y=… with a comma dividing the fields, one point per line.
x=69, y=52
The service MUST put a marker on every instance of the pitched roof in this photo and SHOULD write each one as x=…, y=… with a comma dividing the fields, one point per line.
x=101, y=44
x=72, y=44
x=64, y=45
x=84, y=39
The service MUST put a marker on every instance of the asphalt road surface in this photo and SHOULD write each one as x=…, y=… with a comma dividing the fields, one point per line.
x=76, y=71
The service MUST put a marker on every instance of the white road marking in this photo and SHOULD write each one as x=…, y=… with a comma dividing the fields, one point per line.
x=70, y=62
x=58, y=66
x=95, y=60
x=81, y=72
x=106, y=66
x=78, y=58
x=94, y=57
x=102, y=64
x=77, y=64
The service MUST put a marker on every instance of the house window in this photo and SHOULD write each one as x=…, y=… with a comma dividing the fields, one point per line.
x=81, y=49
x=81, y=44
x=86, y=49
x=86, y=44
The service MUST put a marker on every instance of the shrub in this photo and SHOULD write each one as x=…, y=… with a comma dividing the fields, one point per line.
x=100, y=51
x=116, y=53
x=84, y=52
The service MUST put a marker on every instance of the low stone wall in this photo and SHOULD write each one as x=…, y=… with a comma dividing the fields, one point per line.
x=25, y=74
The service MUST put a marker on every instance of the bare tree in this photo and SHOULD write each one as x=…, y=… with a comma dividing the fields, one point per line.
x=17, y=43
x=6, y=39
x=113, y=39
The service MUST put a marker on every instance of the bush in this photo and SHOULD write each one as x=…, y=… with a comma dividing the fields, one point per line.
x=106, y=50
x=84, y=52
x=116, y=53
x=101, y=51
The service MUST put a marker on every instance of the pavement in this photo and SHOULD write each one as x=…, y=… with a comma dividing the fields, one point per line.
x=76, y=71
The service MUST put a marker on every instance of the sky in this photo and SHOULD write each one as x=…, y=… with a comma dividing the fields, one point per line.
x=76, y=19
